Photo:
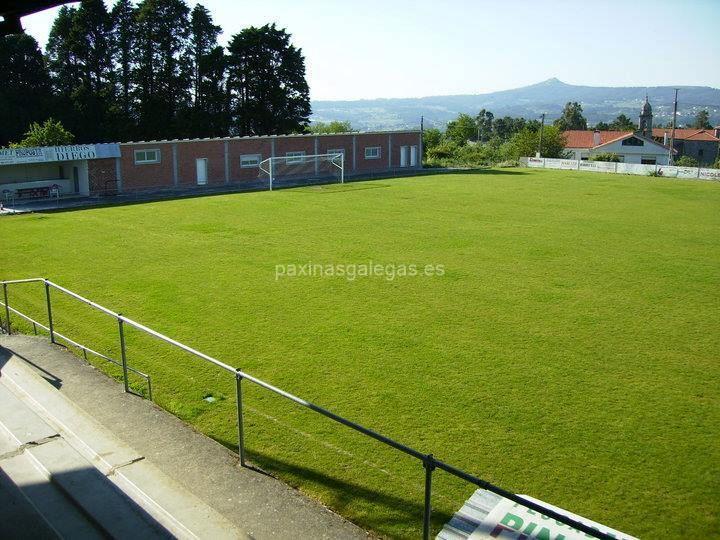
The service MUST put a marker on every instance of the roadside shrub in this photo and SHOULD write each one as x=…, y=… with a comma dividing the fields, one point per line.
x=605, y=156
x=687, y=161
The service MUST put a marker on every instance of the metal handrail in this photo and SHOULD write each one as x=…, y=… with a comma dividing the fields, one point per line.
x=429, y=462
x=72, y=342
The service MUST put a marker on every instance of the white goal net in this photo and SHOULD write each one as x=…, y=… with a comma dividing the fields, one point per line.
x=297, y=169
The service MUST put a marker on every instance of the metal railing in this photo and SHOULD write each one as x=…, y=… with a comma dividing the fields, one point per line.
x=428, y=461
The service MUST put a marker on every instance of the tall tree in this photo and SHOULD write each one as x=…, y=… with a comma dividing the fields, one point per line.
x=571, y=117
x=123, y=40
x=526, y=143
x=62, y=61
x=266, y=79
x=209, y=91
x=484, y=121
x=92, y=98
x=462, y=129
x=162, y=70
x=622, y=123
x=25, y=91
x=203, y=39
x=702, y=120
x=79, y=57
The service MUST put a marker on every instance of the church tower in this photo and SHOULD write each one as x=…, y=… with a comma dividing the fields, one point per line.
x=645, y=125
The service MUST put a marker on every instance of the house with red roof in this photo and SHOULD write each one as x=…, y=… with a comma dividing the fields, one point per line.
x=645, y=145
x=629, y=146
x=700, y=144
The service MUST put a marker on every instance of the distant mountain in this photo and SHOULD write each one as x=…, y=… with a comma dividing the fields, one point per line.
x=599, y=104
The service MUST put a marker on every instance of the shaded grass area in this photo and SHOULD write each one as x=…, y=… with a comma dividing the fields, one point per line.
x=569, y=351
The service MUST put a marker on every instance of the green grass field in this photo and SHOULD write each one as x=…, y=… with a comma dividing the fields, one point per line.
x=570, y=350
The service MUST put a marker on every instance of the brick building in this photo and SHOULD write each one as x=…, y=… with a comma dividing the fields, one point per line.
x=107, y=169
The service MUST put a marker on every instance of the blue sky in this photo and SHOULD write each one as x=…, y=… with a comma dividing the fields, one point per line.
x=403, y=48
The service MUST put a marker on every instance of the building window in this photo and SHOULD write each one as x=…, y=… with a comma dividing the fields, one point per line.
x=632, y=141
x=248, y=161
x=372, y=152
x=648, y=160
x=294, y=157
x=143, y=157
x=700, y=152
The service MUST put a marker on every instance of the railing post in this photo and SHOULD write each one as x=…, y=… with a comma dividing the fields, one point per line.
x=429, y=465
x=7, y=310
x=49, y=311
x=123, y=356
x=241, y=434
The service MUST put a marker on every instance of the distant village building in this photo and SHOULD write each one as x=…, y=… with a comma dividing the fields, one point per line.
x=700, y=144
x=646, y=145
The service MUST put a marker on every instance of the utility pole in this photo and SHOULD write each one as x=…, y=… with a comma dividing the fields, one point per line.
x=672, y=132
x=542, y=126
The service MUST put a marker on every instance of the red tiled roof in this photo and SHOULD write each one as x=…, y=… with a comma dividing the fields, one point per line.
x=585, y=139
x=685, y=134
x=577, y=138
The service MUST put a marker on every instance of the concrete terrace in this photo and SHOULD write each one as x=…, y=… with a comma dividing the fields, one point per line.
x=81, y=459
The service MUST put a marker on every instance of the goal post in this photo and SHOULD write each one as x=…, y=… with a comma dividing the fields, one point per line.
x=297, y=169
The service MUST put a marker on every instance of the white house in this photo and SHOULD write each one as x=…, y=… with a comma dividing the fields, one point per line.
x=630, y=147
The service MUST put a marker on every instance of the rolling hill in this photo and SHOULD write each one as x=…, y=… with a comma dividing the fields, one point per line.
x=599, y=104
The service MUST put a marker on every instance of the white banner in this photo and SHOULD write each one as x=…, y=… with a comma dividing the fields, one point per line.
x=552, y=163
x=597, y=166
x=667, y=171
x=510, y=520
x=73, y=152
x=635, y=168
x=709, y=174
x=11, y=156
x=536, y=162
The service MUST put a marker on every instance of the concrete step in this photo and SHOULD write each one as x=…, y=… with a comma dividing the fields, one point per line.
x=90, y=464
x=42, y=506
x=108, y=507
x=21, y=423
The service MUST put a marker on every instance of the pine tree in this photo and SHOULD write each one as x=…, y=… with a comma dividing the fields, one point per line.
x=266, y=79
x=25, y=91
x=572, y=117
x=162, y=73
x=123, y=32
x=209, y=108
x=79, y=57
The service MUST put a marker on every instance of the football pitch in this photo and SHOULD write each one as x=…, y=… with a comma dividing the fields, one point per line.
x=554, y=332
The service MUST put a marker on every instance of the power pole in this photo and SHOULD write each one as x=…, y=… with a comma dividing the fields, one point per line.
x=542, y=126
x=672, y=132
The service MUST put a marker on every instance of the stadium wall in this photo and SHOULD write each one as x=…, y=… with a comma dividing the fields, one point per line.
x=166, y=165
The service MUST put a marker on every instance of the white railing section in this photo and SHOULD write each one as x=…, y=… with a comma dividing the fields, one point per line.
x=666, y=171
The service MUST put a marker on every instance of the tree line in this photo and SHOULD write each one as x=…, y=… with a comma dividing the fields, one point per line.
x=154, y=70
x=488, y=140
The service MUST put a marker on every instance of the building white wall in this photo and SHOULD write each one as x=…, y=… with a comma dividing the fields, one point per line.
x=629, y=154
x=634, y=154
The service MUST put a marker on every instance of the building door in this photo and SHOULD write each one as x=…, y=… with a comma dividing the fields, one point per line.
x=76, y=179
x=403, y=156
x=201, y=167
x=413, y=156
